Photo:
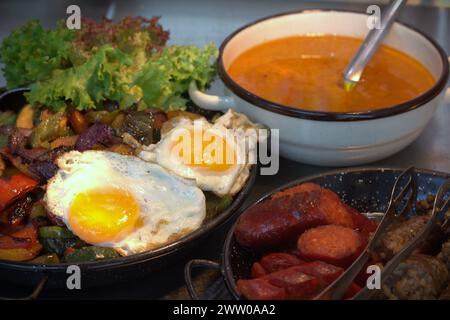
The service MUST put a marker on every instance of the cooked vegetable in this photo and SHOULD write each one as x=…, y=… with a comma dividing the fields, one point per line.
x=78, y=122
x=92, y=253
x=2, y=166
x=37, y=211
x=43, y=170
x=50, y=129
x=118, y=122
x=55, y=232
x=184, y=114
x=122, y=148
x=18, y=166
x=7, y=118
x=67, y=141
x=46, y=259
x=18, y=211
x=105, y=117
x=57, y=240
x=140, y=125
x=97, y=133
x=21, y=254
x=13, y=187
x=22, y=245
x=215, y=204
x=25, y=117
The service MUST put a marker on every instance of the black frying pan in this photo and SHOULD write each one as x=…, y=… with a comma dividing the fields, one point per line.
x=110, y=271
x=366, y=189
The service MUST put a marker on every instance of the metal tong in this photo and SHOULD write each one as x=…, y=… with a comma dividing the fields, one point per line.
x=403, y=198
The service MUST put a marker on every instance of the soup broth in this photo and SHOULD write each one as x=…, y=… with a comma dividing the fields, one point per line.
x=305, y=72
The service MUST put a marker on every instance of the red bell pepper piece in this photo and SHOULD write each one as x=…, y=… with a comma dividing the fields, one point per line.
x=23, y=238
x=14, y=186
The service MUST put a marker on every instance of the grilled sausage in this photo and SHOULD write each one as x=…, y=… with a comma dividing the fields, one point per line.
x=336, y=245
x=302, y=281
x=362, y=223
x=260, y=289
x=281, y=219
x=278, y=261
x=257, y=271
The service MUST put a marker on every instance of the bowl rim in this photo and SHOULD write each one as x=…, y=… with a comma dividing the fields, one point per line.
x=225, y=263
x=183, y=243
x=255, y=100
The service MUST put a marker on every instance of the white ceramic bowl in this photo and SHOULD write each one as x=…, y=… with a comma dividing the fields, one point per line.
x=325, y=138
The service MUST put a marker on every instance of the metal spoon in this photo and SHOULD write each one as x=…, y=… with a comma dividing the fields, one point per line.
x=352, y=74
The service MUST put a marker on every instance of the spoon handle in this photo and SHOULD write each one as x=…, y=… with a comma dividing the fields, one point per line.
x=354, y=70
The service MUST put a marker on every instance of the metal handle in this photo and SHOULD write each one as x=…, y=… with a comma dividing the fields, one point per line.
x=34, y=294
x=188, y=274
x=210, y=102
x=354, y=70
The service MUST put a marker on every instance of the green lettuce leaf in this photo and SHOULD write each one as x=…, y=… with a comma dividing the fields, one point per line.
x=125, y=62
x=31, y=53
x=104, y=76
x=165, y=78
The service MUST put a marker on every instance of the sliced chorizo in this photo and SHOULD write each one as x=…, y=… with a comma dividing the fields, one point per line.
x=326, y=273
x=257, y=271
x=279, y=220
x=260, y=289
x=297, y=284
x=333, y=244
x=278, y=261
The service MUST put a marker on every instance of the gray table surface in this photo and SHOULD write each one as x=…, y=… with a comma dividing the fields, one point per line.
x=200, y=22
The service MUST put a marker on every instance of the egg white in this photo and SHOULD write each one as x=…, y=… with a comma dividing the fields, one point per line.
x=219, y=182
x=170, y=207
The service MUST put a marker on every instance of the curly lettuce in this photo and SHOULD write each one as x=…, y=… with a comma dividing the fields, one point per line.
x=165, y=79
x=126, y=62
x=103, y=76
x=31, y=53
x=111, y=74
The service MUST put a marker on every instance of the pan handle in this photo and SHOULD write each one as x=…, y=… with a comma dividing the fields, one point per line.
x=34, y=294
x=188, y=274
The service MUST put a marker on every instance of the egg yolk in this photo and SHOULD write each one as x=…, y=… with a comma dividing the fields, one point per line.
x=105, y=215
x=212, y=153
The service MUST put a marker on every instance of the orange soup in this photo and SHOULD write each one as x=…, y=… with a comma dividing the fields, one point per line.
x=305, y=72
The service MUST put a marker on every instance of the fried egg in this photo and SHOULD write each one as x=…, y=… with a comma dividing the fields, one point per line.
x=119, y=201
x=215, y=156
